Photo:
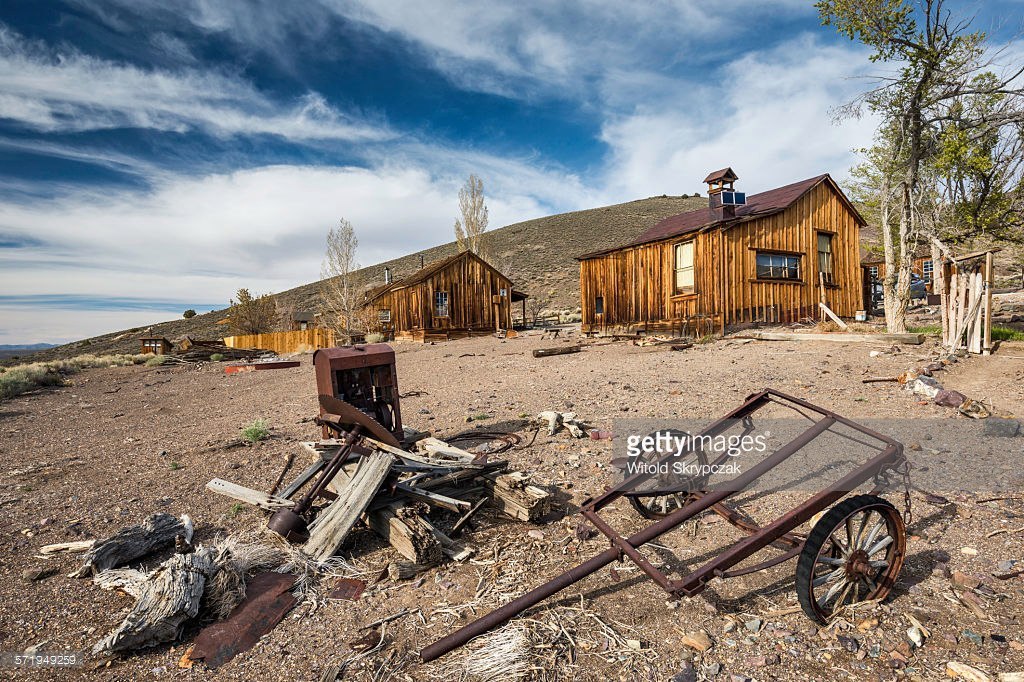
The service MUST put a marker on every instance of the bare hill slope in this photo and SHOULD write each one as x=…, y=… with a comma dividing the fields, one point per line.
x=539, y=255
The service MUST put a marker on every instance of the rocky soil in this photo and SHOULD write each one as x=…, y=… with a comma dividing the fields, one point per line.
x=119, y=444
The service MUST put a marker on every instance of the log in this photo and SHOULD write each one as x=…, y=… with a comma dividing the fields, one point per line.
x=407, y=533
x=248, y=495
x=168, y=598
x=403, y=570
x=159, y=530
x=515, y=496
x=912, y=339
x=547, y=352
x=332, y=526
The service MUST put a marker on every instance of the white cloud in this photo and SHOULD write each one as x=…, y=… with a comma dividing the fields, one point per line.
x=51, y=90
x=768, y=114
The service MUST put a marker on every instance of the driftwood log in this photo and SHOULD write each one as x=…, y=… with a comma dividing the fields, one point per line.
x=168, y=597
x=128, y=544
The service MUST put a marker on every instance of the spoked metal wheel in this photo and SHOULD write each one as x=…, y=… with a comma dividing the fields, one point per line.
x=669, y=491
x=853, y=554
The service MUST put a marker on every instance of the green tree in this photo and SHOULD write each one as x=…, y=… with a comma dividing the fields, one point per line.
x=252, y=314
x=943, y=112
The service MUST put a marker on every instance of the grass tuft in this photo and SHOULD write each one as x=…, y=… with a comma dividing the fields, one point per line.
x=256, y=431
x=216, y=357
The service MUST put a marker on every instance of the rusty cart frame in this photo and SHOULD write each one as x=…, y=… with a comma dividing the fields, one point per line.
x=842, y=569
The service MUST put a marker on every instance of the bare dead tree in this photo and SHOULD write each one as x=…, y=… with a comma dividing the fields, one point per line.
x=338, y=293
x=469, y=231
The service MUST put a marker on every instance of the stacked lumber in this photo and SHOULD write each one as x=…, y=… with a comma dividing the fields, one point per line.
x=418, y=499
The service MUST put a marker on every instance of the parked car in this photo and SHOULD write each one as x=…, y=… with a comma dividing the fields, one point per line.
x=918, y=289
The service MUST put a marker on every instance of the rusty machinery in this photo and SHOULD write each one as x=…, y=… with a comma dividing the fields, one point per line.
x=358, y=395
x=853, y=553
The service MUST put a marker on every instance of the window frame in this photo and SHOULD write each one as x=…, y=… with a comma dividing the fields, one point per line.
x=384, y=315
x=927, y=269
x=830, y=275
x=798, y=257
x=692, y=267
x=447, y=304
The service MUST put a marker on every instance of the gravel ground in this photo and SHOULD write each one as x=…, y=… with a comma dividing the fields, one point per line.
x=122, y=443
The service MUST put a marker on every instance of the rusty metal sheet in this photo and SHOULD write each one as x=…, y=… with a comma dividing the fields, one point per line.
x=348, y=588
x=267, y=601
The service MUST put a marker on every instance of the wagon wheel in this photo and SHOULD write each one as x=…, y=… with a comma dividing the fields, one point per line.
x=854, y=553
x=672, y=490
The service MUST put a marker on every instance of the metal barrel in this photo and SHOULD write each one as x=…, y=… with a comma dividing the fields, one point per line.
x=507, y=612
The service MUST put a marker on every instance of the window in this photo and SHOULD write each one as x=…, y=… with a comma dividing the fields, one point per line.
x=873, y=271
x=684, y=268
x=440, y=304
x=599, y=305
x=927, y=269
x=778, y=266
x=384, y=315
x=825, y=262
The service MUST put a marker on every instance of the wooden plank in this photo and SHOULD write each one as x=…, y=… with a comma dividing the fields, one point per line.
x=515, y=496
x=835, y=318
x=248, y=495
x=839, y=337
x=433, y=499
x=989, y=283
x=407, y=533
x=332, y=526
x=547, y=352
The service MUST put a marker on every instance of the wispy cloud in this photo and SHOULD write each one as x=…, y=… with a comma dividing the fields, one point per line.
x=52, y=90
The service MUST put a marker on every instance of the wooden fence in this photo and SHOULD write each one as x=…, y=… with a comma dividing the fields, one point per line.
x=284, y=342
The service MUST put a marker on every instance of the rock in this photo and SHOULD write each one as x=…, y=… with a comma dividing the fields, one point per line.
x=687, y=673
x=698, y=641
x=998, y=427
x=973, y=636
x=1010, y=677
x=947, y=398
x=753, y=625
x=968, y=551
x=536, y=534
x=916, y=447
x=973, y=409
x=36, y=574
x=729, y=626
x=1006, y=566
x=964, y=580
x=962, y=671
x=712, y=669
x=849, y=643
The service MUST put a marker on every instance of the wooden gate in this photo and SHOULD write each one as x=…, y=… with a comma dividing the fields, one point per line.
x=967, y=303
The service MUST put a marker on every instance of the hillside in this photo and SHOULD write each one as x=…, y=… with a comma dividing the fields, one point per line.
x=539, y=256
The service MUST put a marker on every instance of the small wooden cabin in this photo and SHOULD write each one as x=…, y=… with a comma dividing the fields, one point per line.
x=762, y=258
x=456, y=297
x=303, y=320
x=156, y=345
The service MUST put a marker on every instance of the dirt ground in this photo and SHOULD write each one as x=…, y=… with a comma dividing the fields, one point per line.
x=119, y=444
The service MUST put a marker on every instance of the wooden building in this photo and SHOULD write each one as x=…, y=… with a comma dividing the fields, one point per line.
x=874, y=265
x=763, y=258
x=453, y=298
x=156, y=345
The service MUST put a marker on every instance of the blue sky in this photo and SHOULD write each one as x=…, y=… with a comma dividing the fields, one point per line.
x=158, y=155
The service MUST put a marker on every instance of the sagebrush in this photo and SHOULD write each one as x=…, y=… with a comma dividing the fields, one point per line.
x=23, y=378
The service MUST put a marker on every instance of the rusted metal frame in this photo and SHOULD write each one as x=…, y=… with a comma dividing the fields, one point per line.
x=752, y=403
x=695, y=581
x=733, y=516
x=629, y=550
x=774, y=561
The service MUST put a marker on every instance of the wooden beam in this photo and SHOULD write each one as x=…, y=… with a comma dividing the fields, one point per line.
x=835, y=318
x=248, y=495
x=546, y=352
x=515, y=496
x=332, y=526
x=407, y=533
x=989, y=283
x=912, y=339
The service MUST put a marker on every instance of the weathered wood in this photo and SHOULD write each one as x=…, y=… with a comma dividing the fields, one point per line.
x=404, y=570
x=835, y=318
x=330, y=528
x=876, y=380
x=67, y=547
x=547, y=352
x=168, y=598
x=432, y=498
x=515, y=496
x=248, y=495
x=442, y=450
x=839, y=337
x=407, y=533
x=159, y=530
x=454, y=550
x=464, y=519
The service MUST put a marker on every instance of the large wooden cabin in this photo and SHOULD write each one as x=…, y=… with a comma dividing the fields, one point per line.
x=456, y=297
x=742, y=259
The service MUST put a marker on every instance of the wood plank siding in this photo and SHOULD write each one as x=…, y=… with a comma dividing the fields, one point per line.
x=409, y=308
x=634, y=285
